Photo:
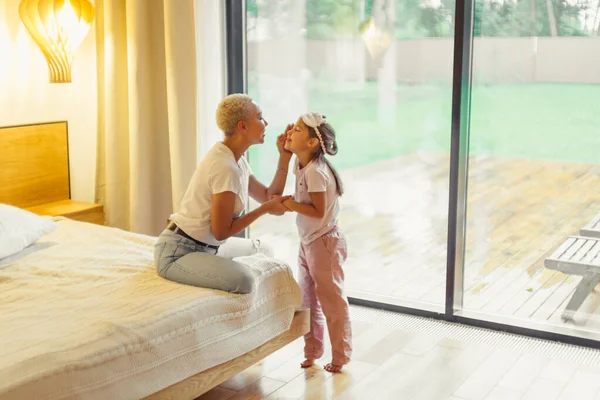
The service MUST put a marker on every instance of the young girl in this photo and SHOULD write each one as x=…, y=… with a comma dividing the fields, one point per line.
x=323, y=246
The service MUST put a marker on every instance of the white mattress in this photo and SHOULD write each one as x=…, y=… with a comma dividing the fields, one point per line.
x=84, y=315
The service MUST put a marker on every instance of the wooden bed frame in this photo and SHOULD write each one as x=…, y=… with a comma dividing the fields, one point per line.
x=35, y=171
x=34, y=167
x=202, y=382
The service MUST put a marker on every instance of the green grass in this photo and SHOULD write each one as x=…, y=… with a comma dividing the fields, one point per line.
x=536, y=121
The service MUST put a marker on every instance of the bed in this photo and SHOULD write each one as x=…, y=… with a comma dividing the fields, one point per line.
x=84, y=315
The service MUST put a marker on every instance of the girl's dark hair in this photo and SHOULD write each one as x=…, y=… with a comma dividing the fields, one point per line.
x=328, y=135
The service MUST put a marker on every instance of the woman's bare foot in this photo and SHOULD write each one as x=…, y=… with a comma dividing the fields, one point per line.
x=307, y=363
x=333, y=368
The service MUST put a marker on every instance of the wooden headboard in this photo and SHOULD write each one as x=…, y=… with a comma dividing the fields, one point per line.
x=34, y=164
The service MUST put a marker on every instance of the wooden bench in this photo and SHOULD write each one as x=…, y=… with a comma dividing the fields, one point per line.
x=592, y=229
x=578, y=255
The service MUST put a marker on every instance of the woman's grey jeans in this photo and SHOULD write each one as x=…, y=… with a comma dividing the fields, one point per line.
x=182, y=260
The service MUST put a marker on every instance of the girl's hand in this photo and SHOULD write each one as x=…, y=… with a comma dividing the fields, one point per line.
x=288, y=203
x=281, y=141
x=275, y=205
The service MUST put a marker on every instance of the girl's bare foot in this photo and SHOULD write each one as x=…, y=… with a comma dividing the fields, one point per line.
x=307, y=363
x=331, y=367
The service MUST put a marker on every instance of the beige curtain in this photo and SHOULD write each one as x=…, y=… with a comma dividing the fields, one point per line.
x=147, y=147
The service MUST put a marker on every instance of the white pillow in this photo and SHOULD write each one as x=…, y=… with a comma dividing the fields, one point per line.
x=20, y=229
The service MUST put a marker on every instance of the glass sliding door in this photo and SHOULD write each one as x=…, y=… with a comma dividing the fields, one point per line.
x=521, y=110
x=381, y=71
x=534, y=173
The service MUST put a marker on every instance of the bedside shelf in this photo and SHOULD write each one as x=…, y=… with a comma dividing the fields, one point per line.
x=77, y=210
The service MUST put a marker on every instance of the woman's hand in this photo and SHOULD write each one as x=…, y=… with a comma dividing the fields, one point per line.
x=275, y=205
x=281, y=141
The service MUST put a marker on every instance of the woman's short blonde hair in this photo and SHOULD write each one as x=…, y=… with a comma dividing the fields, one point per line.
x=233, y=109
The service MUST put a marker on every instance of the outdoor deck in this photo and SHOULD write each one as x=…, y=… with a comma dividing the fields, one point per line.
x=394, y=214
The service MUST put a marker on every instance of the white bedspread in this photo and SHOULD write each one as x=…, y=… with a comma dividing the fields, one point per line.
x=84, y=315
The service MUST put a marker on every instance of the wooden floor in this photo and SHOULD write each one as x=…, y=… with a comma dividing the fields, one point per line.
x=401, y=365
x=394, y=214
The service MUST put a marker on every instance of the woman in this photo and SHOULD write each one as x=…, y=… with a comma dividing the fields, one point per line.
x=197, y=246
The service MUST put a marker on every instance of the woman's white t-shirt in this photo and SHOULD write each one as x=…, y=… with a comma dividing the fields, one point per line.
x=217, y=173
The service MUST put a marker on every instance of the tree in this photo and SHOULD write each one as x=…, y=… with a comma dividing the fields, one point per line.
x=533, y=17
x=330, y=19
x=326, y=19
x=551, y=18
x=251, y=14
x=597, y=19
